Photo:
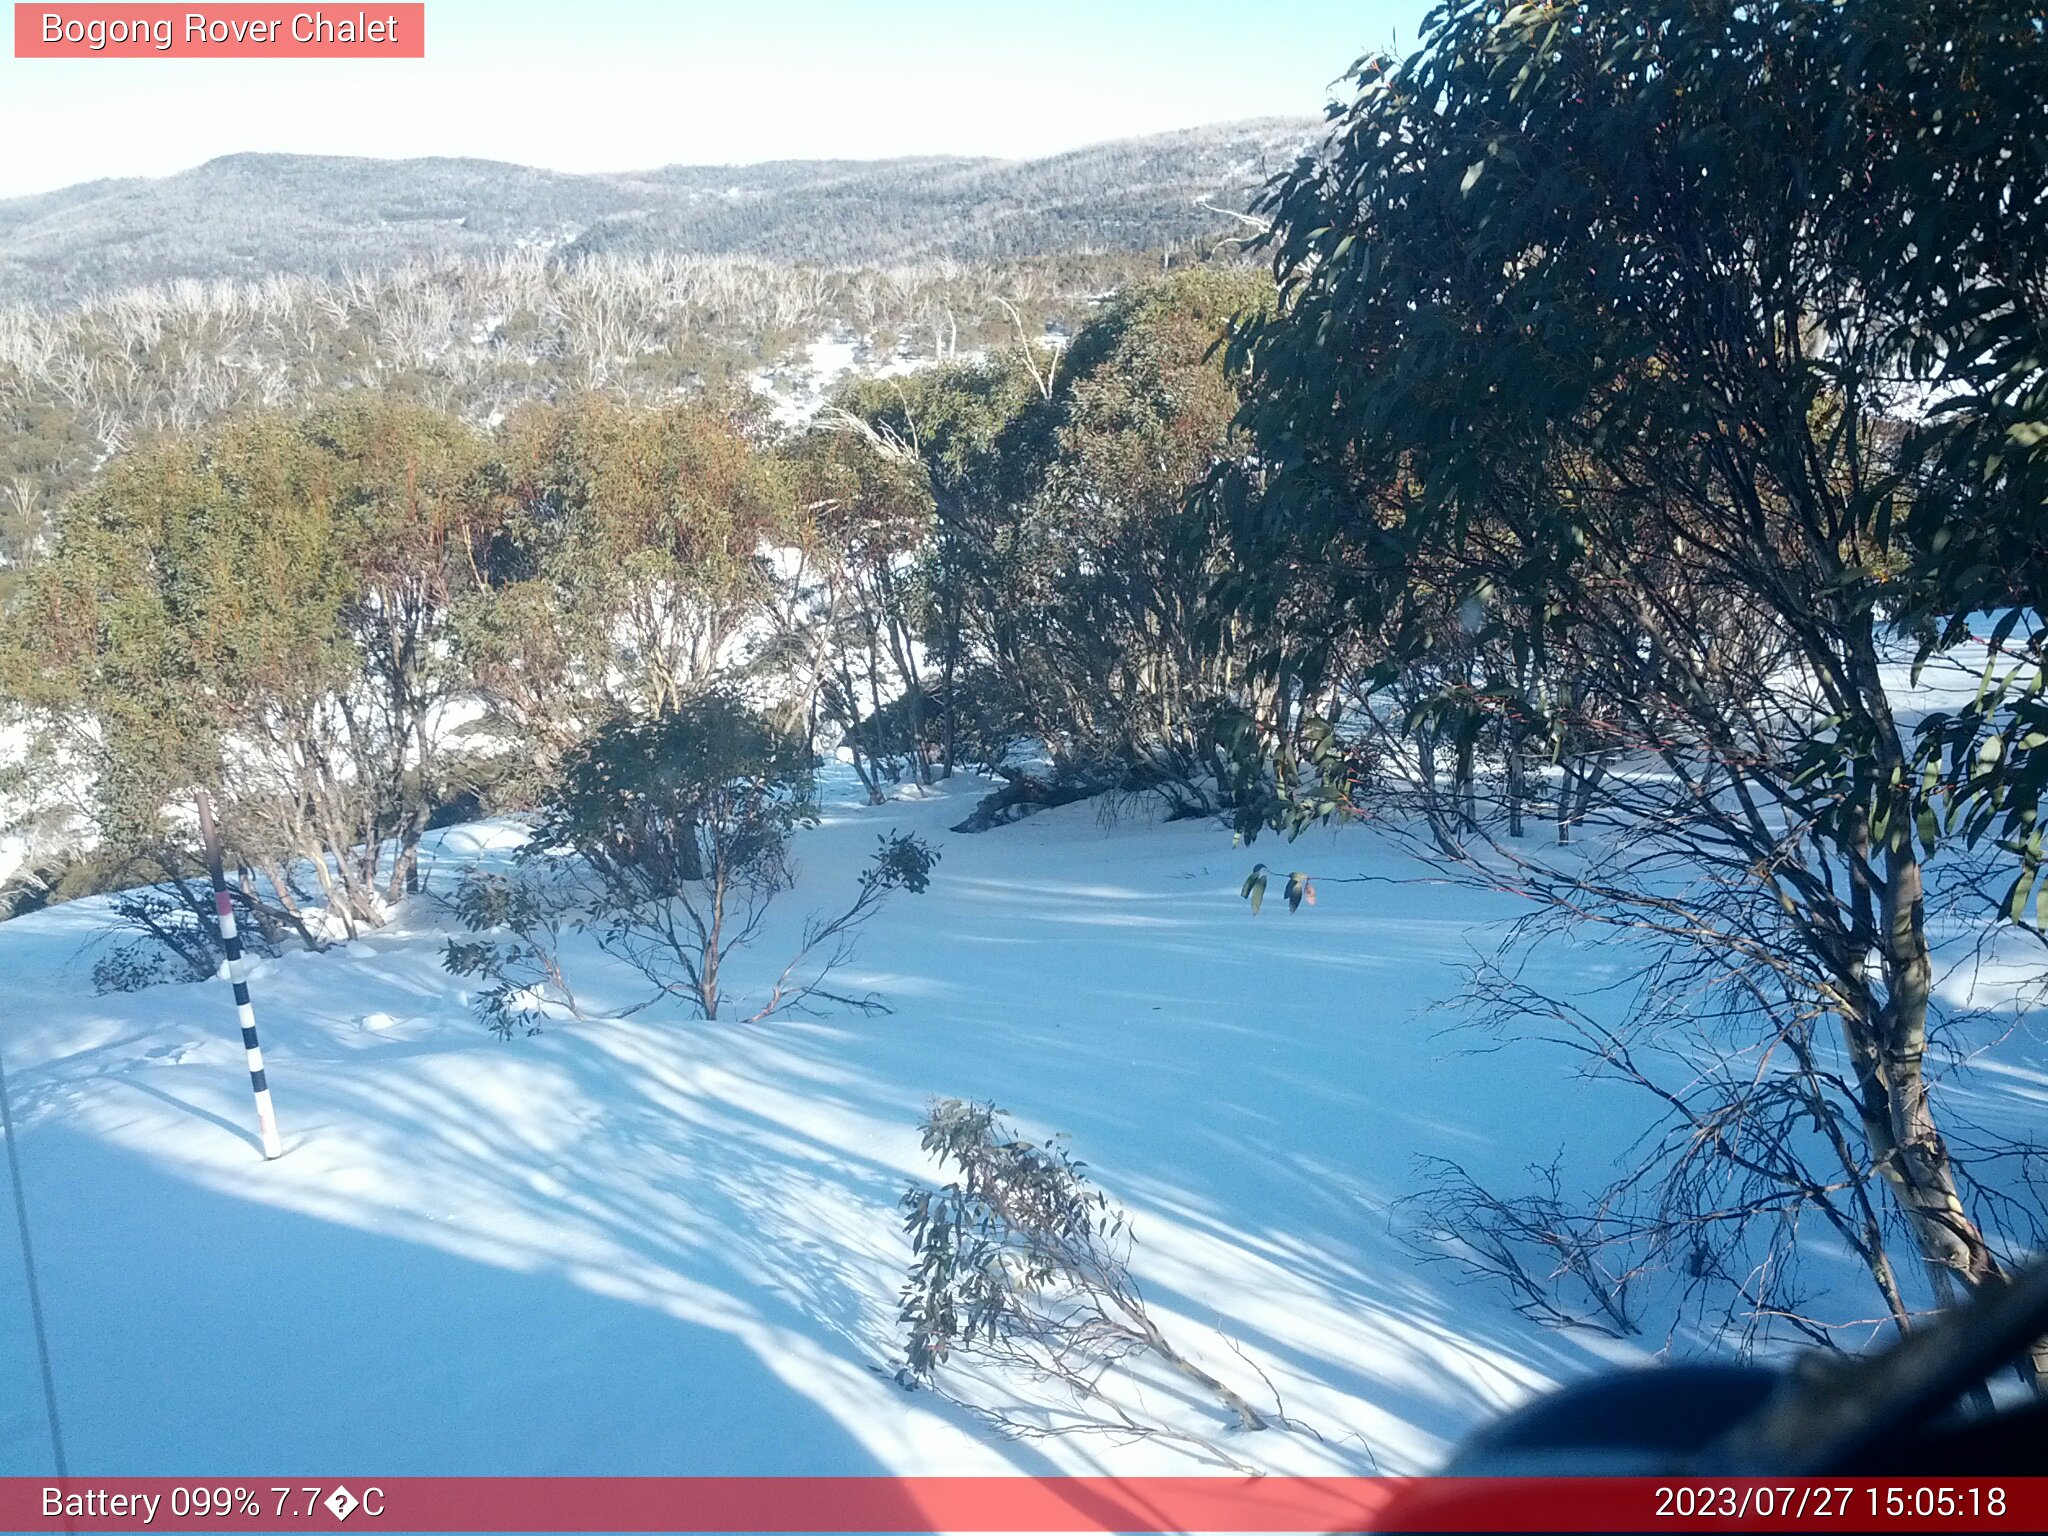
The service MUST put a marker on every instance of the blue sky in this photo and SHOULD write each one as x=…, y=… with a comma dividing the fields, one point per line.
x=628, y=84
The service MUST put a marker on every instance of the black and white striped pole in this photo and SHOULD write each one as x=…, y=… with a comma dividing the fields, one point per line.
x=231, y=940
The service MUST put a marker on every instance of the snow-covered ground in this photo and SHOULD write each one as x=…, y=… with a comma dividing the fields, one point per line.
x=798, y=386
x=664, y=1246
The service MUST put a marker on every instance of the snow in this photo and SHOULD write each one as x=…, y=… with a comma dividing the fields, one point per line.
x=15, y=849
x=654, y=1245
x=799, y=385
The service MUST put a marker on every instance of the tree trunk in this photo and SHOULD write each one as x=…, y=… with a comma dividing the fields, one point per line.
x=1464, y=793
x=1516, y=776
x=1888, y=1048
x=707, y=966
x=1248, y=1417
x=1918, y=1161
x=951, y=683
x=1565, y=788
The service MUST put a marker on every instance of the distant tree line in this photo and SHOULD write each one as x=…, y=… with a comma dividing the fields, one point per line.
x=473, y=337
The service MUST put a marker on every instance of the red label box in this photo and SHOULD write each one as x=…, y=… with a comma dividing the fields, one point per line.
x=236, y=31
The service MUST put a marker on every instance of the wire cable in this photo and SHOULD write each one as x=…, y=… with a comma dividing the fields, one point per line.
x=28, y=1266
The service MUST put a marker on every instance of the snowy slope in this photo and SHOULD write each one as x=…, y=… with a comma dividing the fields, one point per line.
x=665, y=1246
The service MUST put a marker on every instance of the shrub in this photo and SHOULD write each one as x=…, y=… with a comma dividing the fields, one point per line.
x=1021, y=1262
x=532, y=902
x=685, y=820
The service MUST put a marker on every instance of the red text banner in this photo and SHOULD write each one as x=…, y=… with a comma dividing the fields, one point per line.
x=114, y=31
x=1052, y=1504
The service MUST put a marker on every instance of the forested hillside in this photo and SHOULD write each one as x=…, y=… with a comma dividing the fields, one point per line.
x=268, y=280
x=476, y=336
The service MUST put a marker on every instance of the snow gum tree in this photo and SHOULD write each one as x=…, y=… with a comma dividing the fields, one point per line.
x=631, y=554
x=1616, y=326
x=260, y=612
x=410, y=505
x=1024, y=554
x=865, y=519
x=957, y=431
x=1127, y=663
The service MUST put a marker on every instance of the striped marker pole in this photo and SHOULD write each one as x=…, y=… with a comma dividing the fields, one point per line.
x=231, y=940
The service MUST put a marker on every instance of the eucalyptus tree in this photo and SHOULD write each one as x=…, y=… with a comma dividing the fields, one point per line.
x=1624, y=319
x=965, y=431
x=865, y=533
x=1127, y=667
x=412, y=509
x=631, y=554
x=683, y=821
x=259, y=612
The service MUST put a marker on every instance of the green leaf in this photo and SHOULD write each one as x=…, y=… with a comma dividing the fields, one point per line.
x=2022, y=888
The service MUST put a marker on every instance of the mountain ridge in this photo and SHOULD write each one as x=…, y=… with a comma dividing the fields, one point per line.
x=254, y=213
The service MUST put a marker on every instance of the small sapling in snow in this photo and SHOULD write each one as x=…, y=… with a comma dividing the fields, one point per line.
x=1021, y=1263
x=531, y=902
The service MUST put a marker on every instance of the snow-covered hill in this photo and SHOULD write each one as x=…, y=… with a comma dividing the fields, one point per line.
x=251, y=215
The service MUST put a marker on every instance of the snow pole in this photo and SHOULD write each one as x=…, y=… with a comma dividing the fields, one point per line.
x=231, y=940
